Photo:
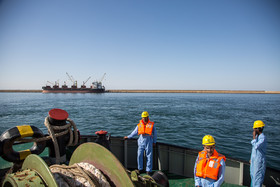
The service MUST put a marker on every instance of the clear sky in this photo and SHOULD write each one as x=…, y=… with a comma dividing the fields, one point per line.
x=141, y=44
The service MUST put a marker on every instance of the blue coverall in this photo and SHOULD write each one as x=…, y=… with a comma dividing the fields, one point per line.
x=205, y=182
x=258, y=161
x=145, y=142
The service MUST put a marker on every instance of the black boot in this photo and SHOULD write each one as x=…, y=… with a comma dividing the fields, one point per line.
x=149, y=173
x=141, y=171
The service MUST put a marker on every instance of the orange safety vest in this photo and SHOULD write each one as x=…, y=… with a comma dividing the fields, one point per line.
x=208, y=167
x=145, y=129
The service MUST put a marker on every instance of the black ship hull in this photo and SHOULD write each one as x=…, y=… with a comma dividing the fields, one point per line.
x=73, y=90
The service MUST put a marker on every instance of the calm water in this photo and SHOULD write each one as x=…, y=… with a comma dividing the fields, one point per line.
x=180, y=119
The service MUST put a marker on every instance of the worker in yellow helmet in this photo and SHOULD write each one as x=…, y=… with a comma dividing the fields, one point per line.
x=258, y=160
x=209, y=169
x=147, y=139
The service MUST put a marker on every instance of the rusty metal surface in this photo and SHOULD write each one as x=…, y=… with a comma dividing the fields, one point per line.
x=37, y=164
x=24, y=178
x=104, y=160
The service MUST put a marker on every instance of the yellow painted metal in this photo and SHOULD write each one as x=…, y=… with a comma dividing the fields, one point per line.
x=23, y=154
x=25, y=131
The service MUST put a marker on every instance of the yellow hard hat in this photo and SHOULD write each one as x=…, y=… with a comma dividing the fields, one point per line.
x=258, y=124
x=208, y=140
x=145, y=114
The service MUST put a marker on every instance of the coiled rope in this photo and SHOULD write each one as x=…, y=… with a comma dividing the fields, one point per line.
x=66, y=128
x=80, y=174
x=73, y=139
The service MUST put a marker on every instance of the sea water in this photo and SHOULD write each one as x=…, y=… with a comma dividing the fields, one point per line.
x=180, y=118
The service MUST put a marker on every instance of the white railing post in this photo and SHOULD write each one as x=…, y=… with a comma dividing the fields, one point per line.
x=241, y=170
x=158, y=157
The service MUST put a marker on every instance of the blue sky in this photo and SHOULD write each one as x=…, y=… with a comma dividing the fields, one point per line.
x=147, y=44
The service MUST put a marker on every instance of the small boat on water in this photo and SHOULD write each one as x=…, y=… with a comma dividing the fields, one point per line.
x=99, y=160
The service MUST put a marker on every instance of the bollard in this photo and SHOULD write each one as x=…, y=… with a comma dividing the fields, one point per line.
x=102, y=139
x=58, y=117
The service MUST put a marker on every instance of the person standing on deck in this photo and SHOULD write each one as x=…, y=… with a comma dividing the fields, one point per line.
x=147, y=139
x=209, y=169
x=258, y=161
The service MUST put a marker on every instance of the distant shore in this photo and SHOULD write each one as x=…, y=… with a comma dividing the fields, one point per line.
x=38, y=91
x=196, y=91
x=169, y=91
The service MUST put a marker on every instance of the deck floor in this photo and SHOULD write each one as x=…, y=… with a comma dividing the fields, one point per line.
x=181, y=181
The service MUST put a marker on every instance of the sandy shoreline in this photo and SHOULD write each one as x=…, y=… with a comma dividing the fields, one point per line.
x=196, y=91
x=38, y=91
x=169, y=91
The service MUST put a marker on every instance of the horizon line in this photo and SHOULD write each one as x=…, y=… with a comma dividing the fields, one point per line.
x=160, y=91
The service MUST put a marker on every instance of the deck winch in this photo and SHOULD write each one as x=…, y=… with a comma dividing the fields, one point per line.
x=90, y=165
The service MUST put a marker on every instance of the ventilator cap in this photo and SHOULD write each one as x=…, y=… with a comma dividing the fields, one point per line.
x=258, y=124
x=208, y=140
x=145, y=114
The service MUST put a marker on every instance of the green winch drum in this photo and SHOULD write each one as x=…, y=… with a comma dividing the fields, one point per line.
x=34, y=172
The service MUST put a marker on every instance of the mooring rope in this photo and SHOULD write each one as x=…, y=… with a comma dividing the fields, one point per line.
x=73, y=139
x=67, y=128
x=80, y=174
x=53, y=137
x=71, y=143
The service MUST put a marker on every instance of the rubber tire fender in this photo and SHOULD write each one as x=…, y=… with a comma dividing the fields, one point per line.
x=13, y=134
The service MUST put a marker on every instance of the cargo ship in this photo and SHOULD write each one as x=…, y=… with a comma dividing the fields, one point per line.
x=96, y=87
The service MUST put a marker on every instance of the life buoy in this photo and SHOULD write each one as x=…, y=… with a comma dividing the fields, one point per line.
x=11, y=135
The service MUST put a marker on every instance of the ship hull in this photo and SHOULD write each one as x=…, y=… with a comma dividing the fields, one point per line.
x=89, y=90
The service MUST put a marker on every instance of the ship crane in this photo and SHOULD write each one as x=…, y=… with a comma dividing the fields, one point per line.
x=54, y=84
x=65, y=83
x=98, y=84
x=84, y=82
x=50, y=82
x=72, y=80
x=64, y=86
x=102, y=77
x=57, y=83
